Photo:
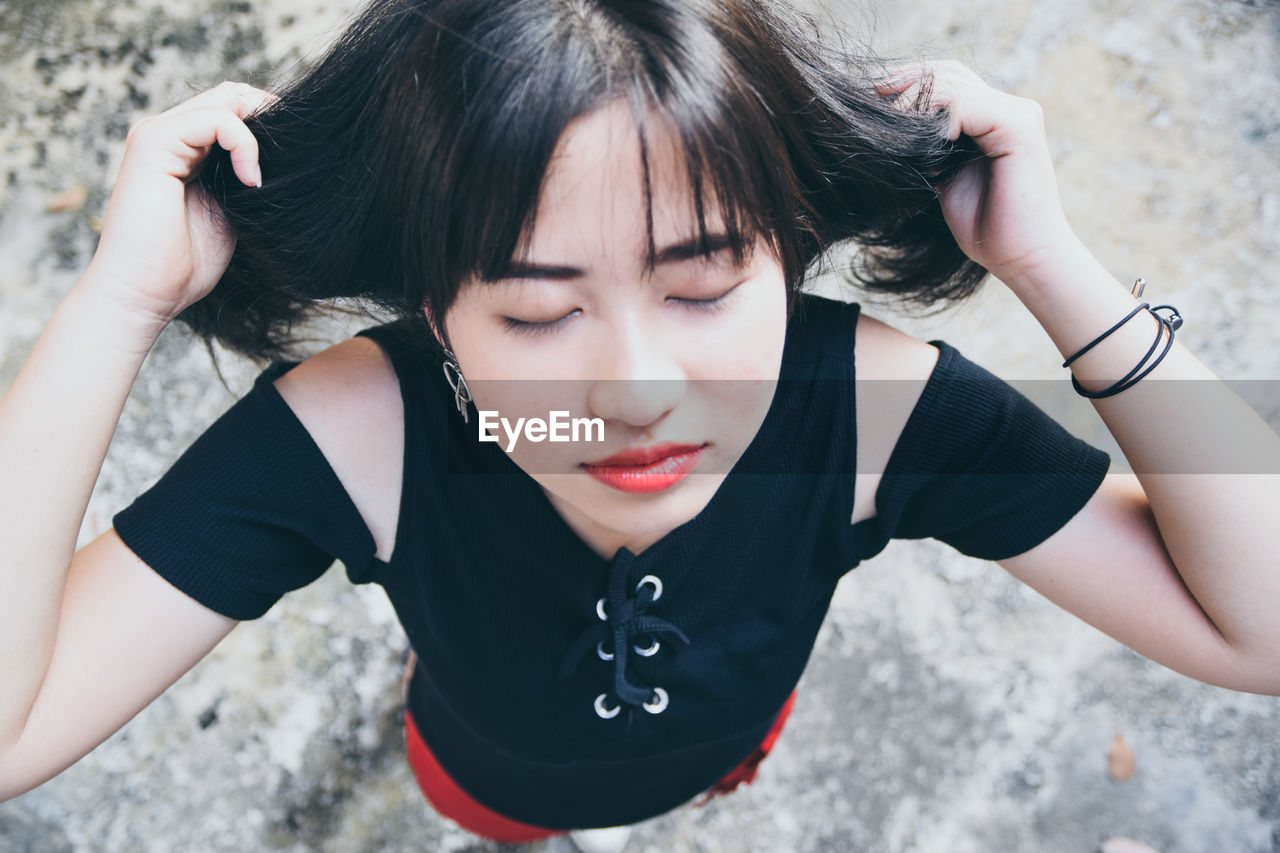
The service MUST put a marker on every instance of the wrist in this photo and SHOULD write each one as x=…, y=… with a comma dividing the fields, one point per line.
x=120, y=317
x=1078, y=301
x=1054, y=270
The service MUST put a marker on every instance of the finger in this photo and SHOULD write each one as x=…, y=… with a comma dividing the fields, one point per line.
x=975, y=108
x=957, y=78
x=249, y=101
x=913, y=97
x=235, y=137
x=244, y=100
x=900, y=78
x=893, y=85
x=200, y=127
x=999, y=124
x=995, y=119
x=908, y=99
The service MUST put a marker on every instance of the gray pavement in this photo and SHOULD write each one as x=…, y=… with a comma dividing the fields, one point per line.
x=946, y=708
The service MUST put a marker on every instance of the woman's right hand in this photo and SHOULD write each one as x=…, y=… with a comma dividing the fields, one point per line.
x=161, y=248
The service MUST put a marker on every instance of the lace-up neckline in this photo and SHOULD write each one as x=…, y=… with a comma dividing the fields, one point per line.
x=625, y=622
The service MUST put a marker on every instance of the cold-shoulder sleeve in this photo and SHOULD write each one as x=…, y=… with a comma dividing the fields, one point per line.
x=249, y=512
x=981, y=467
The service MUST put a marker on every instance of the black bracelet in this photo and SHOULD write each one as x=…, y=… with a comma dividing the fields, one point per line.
x=1093, y=343
x=1145, y=356
x=1171, y=324
x=1121, y=385
x=1174, y=319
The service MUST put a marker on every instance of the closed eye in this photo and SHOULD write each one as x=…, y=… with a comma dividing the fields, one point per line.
x=713, y=304
x=524, y=327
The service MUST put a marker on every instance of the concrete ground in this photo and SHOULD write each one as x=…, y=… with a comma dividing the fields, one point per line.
x=945, y=708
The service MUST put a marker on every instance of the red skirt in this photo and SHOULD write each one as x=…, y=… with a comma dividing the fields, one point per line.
x=456, y=804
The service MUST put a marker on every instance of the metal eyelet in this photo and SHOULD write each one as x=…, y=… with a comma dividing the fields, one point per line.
x=600, y=611
x=646, y=653
x=606, y=713
x=657, y=585
x=602, y=653
x=656, y=707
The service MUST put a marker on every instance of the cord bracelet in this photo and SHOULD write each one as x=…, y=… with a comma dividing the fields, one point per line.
x=1163, y=324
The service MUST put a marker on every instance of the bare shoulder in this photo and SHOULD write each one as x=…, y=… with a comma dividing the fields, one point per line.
x=891, y=369
x=348, y=398
x=882, y=352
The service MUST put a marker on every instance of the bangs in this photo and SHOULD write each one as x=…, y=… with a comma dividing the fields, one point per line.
x=412, y=158
x=714, y=184
x=683, y=87
x=723, y=202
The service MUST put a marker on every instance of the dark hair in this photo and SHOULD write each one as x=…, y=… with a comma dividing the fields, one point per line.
x=410, y=158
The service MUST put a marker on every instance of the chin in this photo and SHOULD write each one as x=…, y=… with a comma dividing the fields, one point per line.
x=656, y=512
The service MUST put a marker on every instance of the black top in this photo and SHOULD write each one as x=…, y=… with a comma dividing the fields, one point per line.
x=499, y=596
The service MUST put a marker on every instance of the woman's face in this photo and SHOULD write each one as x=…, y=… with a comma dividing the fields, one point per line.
x=580, y=326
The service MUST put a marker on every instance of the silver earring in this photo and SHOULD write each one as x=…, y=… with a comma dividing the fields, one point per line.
x=453, y=375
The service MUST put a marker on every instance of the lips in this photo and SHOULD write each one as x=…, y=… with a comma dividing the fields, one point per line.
x=642, y=470
x=640, y=456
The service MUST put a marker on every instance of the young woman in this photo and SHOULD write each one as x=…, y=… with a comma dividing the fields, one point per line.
x=604, y=209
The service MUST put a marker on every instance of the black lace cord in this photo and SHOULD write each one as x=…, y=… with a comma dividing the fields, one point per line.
x=628, y=619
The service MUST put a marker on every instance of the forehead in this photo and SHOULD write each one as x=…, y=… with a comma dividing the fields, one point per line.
x=605, y=181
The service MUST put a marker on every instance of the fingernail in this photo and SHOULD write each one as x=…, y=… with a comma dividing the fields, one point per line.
x=255, y=172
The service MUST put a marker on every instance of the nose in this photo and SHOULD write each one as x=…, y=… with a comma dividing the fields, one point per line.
x=637, y=378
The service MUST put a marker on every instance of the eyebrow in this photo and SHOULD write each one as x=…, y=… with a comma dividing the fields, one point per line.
x=687, y=250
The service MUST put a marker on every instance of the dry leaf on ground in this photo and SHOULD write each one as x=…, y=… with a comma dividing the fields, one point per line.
x=1121, y=762
x=72, y=199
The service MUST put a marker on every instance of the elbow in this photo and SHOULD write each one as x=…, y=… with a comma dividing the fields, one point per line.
x=1249, y=672
x=19, y=773
x=10, y=785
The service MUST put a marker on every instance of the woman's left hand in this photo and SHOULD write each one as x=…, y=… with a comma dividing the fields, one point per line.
x=1003, y=209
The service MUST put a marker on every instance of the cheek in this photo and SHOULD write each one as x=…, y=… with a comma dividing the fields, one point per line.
x=488, y=351
x=516, y=405
x=743, y=375
x=517, y=399
x=502, y=381
x=750, y=347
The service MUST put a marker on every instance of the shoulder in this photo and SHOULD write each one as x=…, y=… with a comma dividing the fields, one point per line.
x=358, y=365
x=891, y=369
x=348, y=398
x=882, y=352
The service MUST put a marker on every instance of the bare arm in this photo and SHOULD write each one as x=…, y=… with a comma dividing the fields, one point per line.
x=86, y=642
x=80, y=632
x=123, y=636
x=1177, y=559
x=55, y=425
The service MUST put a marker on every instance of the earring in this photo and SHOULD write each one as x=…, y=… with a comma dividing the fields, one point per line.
x=453, y=375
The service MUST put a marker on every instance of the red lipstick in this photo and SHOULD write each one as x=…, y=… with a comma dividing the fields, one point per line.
x=642, y=470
